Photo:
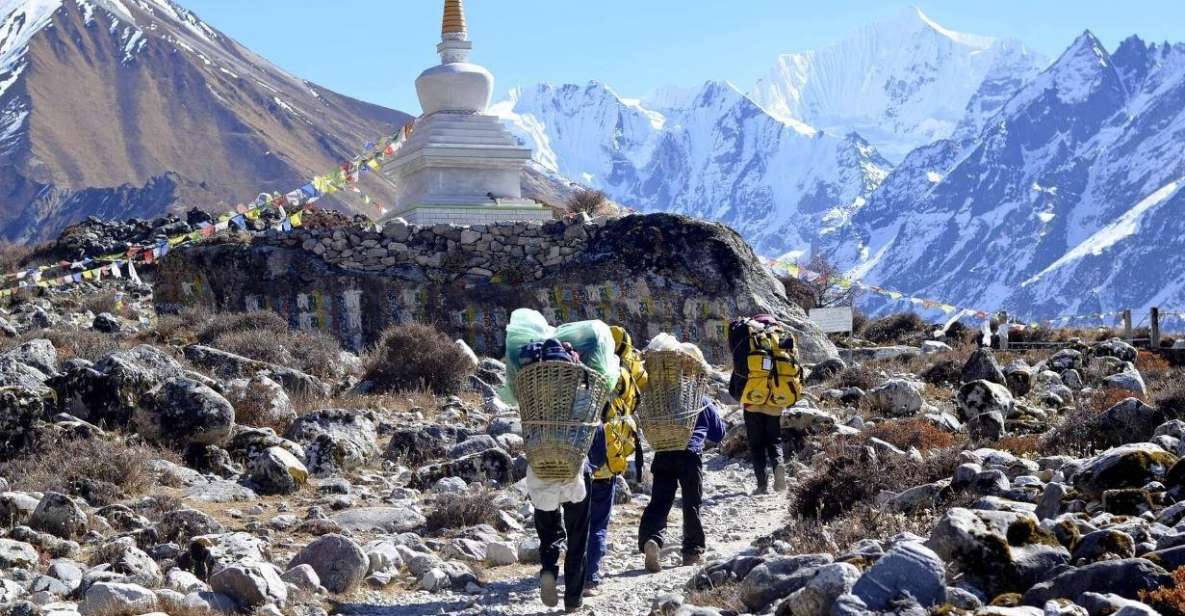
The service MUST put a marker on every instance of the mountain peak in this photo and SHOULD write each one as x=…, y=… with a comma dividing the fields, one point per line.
x=913, y=19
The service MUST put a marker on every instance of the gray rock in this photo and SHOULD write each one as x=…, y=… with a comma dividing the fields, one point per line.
x=1128, y=421
x=184, y=582
x=897, y=398
x=181, y=525
x=17, y=555
x=339, y=562
x=908, y=568
x=261, y=400
x=276, y=471
x=492, y=465
x=115, y=599
x=38, y=353
x=982, y=366
x=396, y=519
x=1128, y=380
x=16, y=508
x=182, y=412
x=998, y=551
x=986, y=426
x=220, y=492
x=335, y=440
x=473, y=445
x=59, y=515
x=1115, y=348
x=1128, y=466
x=778, y=578
x=816, y=598
x=979, y=397
x=305, y=578
x=1125, y=578
x=250, y=583
x=127, y=559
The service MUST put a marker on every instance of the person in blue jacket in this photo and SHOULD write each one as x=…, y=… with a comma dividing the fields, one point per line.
x=672, y=471
x=568, y=526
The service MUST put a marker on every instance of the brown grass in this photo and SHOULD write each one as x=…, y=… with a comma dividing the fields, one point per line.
x=591, y=202
x=56, y=467
x=1168, y=600
x=857, y=376
x=895, y=328
x=14, y=256
x=457, y=511
x=103, y=301
x=87, y=344
x=918, y=433
x=807, y=535
x=416, y=356
x=725, y=597
x=1020, y=445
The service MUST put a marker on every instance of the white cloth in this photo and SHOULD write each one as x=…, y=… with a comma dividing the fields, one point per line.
x=549, y=495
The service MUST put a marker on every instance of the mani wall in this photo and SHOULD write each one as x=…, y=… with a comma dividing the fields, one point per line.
x=650, y=273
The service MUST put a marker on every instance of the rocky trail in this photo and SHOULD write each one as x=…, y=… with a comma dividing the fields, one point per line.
x=733, y=519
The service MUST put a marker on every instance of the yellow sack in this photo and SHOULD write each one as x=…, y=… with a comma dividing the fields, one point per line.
x=773, y=372
x=620, y=428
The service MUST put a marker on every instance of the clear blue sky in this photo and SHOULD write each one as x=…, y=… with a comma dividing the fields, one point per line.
x=373, y=50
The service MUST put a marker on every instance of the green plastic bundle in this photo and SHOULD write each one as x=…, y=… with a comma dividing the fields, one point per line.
x=592, y=339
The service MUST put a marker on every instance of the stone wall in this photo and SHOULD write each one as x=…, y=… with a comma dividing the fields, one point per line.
x=652, y=274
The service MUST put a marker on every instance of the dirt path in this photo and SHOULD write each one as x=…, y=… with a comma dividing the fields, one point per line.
x=732, y=520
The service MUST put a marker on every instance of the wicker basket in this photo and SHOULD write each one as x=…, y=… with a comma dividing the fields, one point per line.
x=673, y=398
x=560, y=404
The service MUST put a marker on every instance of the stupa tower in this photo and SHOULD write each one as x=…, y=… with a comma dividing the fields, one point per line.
x=460, y=166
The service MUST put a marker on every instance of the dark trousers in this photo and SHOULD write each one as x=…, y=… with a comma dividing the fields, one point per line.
x=671, y=471
x=567, y=525
x=600, y=510
x=765, y=443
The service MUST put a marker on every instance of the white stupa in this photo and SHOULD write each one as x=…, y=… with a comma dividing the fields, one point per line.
x=459, y=166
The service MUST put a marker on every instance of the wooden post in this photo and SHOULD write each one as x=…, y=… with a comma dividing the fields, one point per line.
x=1128, y=334
x=1155, y=328
x=1004, y=330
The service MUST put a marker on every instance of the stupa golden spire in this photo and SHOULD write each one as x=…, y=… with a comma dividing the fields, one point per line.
x=454, y=18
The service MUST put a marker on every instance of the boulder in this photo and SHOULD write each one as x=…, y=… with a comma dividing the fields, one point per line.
x=1066, y=359
x=182, y=412
x=982, y=366
x=1115, y=348
x=1018, y=376
x=229, y=365
x=1126, y=578
x=58, y=515
x=260, y=401
x=986, y=426
x=1106, y=544
x=116, y=599
x=110, y=391
x=251, y=584
x=209, y=553
x=492, y=465
x=127, y=559
x=897, y=398
x=181, y=525
x=339, y=562
x=998, y=551
x=417, y=445
x=17, y=555
x=276, y=471
x=107, y=323
x=978, y=397
x=1128, y=466
x=335, y=440
x=396, y=519
x=815, y=599
x=909, y=568
x=1128, y=421
x=474, y=444
x=22, y=415
x=14, y=373
x=772, y=580
x=1128, y=380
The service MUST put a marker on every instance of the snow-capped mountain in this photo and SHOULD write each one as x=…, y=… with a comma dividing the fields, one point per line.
x=901, y=83
x=1068, y=201
x=711, y=153
x=118, y=108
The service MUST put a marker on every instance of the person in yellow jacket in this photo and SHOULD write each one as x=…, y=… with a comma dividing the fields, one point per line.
x=620, y=443
x=766, y=373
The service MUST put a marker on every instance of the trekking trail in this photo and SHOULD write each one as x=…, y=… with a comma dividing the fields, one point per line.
x=732, y=519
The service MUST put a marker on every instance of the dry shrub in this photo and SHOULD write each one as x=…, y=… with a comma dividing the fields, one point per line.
x=1077, y=434
x=850, y=475
x=1106, y=398
x=895, y=328
x=725, y=597
x=257, y=344
x=1168, y=600
x=908, y=433
x=1152, y=365
x=87, y=344
x=1169, y=396
x=57, y=466
x=316, y=352
x=236, y=322
x=418, y=356
x=178, y=329
x=265, y=336
x=943, y=370
x=591, y=202
x=857, y=376
x=457, y=511
x=103, y=301
x=1020, y=445
x=14, y=256
x=811, y=536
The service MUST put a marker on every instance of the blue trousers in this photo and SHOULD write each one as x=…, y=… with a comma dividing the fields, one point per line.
x=600, y=510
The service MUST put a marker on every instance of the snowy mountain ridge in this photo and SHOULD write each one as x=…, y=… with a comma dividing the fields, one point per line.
x=901, y=83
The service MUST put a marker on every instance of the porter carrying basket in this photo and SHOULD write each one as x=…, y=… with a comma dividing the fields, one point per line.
x=560, y=404
x=673, y=399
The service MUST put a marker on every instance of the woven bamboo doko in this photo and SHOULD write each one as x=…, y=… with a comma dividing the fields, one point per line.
x=673, y=398
x=560, y=404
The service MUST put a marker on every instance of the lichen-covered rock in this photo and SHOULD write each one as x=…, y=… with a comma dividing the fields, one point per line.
x=982, y=366
x=127, y=559
x=1019, y=378
x=182, y=412
x=815, y=599
x=492, y=465
x=181, y=525
x=1115, y=348
x=1128, y=380
x=276, y=471
x=110, y=391
x=1128, y=421
x=261, y=400
x=22, y=413
x=908, y=569
x=335, y=440
x=978, y=397
x=17, y=555
x=777, y=578
x=58, y=515
x=250, y=583
x=998, y=551
x=1128, y=466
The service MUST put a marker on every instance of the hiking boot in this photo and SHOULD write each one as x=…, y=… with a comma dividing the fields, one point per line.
x=547, y=590
x=592, y=590
x=761, y=490
x=691, y=559
x=574, y=606
x=780, y=479
x=653, y=556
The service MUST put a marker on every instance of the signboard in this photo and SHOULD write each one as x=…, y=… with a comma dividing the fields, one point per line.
x=833, y=320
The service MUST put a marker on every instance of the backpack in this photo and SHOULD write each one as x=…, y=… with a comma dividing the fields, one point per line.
x=620, y=429
x=765, y=368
